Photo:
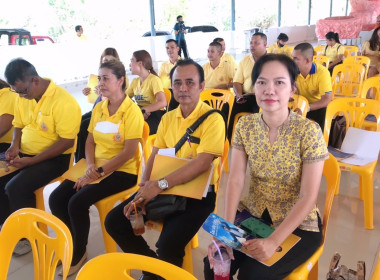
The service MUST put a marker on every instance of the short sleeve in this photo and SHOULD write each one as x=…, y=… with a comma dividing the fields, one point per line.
x=131, y=89
x=213, y=136
x=313, y=146
x=17, y=120
x=341, y=50
x=94, y=116
x=160, y=135
x=8, y=103
x=67, y=117
x=239, y=77
x=156, y=85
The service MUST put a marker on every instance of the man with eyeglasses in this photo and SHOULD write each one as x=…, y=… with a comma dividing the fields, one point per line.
x=46, y=122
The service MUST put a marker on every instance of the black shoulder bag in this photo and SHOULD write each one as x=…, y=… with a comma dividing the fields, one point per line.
x=164, y=205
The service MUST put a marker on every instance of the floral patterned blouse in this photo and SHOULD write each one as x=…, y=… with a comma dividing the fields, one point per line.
x=276, y=170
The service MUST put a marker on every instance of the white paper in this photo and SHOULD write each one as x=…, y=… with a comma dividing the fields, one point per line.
x=170, y=152
x=364, y=144
x=209, y=180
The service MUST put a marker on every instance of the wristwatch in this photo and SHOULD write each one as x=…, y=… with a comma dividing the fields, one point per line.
x=163, y=184
x=101, y=171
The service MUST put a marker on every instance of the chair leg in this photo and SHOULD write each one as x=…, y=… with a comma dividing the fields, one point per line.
x=194, y=241
x=109, y=243
x=360, y=187
x=226, y=166
x=367, y=180
x=188, y=258
x=40, y=204
x=313, y=275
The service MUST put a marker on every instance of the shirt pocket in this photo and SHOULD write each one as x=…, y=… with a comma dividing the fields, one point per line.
x=45, y=123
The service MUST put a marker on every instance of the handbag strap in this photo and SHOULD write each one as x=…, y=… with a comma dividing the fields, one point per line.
x=193, y=127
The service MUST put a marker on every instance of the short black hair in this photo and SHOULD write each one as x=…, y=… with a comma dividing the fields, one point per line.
x=290, y=65
x=78, y=27
x=19, y=70
x=185, y=62
x=306, y=49
x=218, y=39
x=262, y=35
x=178, y=17
x=331, y=35
x=217, y=45
x=283, y=37
x=172, y=40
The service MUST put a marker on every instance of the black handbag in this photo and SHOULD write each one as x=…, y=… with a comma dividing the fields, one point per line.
x=164, y=205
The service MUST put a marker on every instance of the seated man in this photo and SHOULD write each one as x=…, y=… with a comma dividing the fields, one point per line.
x=187, y=82
x=280, y=46
x=46, y=122
x=218, y=73
x=313, y=82
x=226, y=56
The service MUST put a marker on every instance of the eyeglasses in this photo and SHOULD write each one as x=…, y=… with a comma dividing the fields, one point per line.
x=25, y=91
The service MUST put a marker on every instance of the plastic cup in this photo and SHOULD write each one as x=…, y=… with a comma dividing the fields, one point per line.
x=221, y=267
x=137, y=222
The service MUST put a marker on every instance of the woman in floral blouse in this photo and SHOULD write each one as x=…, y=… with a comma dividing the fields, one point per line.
x=285, y=154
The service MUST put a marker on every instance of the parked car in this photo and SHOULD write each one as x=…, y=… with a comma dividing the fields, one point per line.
x=203, y=28
x=158, y=33
x=19, y=36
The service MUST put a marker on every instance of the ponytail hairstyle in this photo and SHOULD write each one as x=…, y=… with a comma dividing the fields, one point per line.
x=146, y=59
x=334, y=36
x=374, y=41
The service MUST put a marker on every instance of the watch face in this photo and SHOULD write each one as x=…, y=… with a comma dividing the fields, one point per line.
x=163, y=184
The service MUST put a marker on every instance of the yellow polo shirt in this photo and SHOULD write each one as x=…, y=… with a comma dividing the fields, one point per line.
x=229, y=59
x=145, y=93
x=275, y=48
x=333, y=52
x=7, y=106
x=243, y=74
x=222, y=74
x=316, y=84
x=164, y=72
x=56, y=115
x=211, y=134
x=127, y=123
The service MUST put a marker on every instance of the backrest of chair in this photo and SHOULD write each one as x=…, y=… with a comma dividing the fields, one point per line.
x=347, y=80
x=371, y=83
x=350, y=51
x=363, y=60
x=299, y=102
x=168, y=96
x=319, y=50
x=355, y=110
x=149, y=146
x=321, y=59
x=216, y=98
x=116, y=265
x=47, y=250
x=331, y=172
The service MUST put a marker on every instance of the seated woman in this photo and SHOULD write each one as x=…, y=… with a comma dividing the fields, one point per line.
x=7, y=105
x=147, y=89
x=115, y=129
x=371, y=48
x=334, y=50
x=107, y=55
x=285, y=153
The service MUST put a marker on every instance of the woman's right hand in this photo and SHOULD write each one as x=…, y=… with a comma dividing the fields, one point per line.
x=212, y=250
x=86, y=91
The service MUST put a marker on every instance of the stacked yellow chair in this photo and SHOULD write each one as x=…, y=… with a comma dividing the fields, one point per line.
x=321, y=59
x=347, y=80
x=319, y=50
x=309, y=269
x=47, y=250
x=371, y=84
x=350, y=51
x=363, y=60
x=355, y=110
x=116, y=266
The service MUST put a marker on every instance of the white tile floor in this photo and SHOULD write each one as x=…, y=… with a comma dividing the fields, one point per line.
x=346, y=233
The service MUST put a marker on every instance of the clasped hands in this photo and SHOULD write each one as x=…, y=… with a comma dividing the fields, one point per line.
x=92, y=174
x=13, y=159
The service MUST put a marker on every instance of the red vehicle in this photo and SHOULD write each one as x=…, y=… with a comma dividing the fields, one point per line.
x=21, y=37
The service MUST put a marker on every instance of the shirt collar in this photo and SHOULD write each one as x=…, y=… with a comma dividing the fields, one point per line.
x=313, y=69
x=284, y=125
x=194, y=113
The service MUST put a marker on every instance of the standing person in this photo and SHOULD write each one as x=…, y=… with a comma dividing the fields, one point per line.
x=114, y=132
x=46, y=123
x=226, y=56
x=245, y=100
x=218, y=73
x=179, y=228
x=80, y=36
x=284, y=179
x=313, y=82
x=280, y=46
x=7, y=107
x=180, y=31
x=334, y=50
x=371, y=48
x=147, y=89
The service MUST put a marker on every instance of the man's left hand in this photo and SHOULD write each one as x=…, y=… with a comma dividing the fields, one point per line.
x=21, y=162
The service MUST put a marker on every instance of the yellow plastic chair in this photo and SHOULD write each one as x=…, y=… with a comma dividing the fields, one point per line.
x=39, y=193
x=309, y=269
x=350, y=51
x=319, y=50
x=363, y=60
x=299, y=102
x=321, y=59
x=116, y=266
x=105, y=205
x=47, y=251
x=355, y=110
x=237, y=117
x=347, y=80
x=168, y=96
x=376, y=273
x=371, y=84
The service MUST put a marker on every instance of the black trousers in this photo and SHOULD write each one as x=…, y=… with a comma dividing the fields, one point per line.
x=251, y=269
x=154, y=120
x=183, y=46
x=250, y=107
x=318, y=116
x=82, y=137
x=177, y=230
x=72, y=206
x=17, y=188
